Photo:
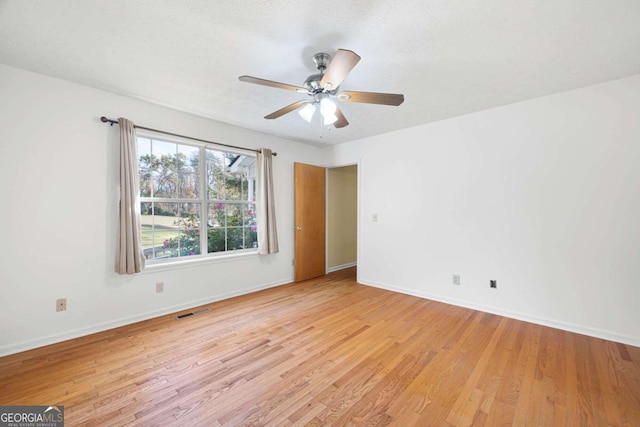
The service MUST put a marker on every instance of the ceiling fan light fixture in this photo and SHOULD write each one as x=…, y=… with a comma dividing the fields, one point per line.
x=307, y=112
x=329, y=119
x=323, y=85
x=327, y=107
x=328, y=111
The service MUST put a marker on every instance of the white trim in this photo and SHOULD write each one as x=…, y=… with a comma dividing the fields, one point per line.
x=358, y=223
x=326, y=220
x=565, y=326
x=198, y=260
x=100, y=327
x=341, y=267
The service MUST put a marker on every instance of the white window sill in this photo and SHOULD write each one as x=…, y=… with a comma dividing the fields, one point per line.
x=188, y=262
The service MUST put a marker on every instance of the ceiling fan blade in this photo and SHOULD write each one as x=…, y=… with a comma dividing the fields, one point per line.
x=341, y=64
x=271, y=83
x=342, y=121
x=289, y=108
x=372, y=97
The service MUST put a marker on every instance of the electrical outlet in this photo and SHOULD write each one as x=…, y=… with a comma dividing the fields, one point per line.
x=456, y=279
x=159, y=287
x=61, y=304
x=493, y=284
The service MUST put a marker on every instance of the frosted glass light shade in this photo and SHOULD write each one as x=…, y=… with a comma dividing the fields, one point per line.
x=328, y=110
x=327, y=107
x=307, y=112
x=329, y=119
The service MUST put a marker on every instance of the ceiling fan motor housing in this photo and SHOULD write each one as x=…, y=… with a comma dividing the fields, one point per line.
x=312, y=83
x=321, y=61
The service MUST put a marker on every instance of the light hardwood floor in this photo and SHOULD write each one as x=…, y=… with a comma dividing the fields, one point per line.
x=331, y=352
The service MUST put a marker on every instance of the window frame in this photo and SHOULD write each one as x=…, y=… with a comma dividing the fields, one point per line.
x=203, y=201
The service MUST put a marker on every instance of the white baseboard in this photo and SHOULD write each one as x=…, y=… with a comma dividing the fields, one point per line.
x=341, y=267
x=557, y=324
x=100, y=327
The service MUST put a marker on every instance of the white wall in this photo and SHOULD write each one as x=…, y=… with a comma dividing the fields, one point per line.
x=543, y=196
x=58, y=166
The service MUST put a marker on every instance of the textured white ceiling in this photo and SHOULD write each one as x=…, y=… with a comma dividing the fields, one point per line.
x=448, y=57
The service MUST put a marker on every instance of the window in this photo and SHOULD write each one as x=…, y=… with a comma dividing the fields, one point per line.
x=195, y=200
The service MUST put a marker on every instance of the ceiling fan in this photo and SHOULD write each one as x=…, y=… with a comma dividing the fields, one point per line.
x=323, y=86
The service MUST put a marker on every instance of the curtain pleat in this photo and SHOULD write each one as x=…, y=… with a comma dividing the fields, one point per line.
x=129, y=254
x=267, y=233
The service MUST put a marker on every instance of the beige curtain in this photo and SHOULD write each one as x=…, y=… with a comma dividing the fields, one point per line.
x=267, y=233
x=129, y=254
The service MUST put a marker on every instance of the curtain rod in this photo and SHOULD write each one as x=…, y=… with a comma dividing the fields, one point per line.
x=112, y=122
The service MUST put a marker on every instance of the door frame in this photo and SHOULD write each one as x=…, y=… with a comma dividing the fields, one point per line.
x=358, y=204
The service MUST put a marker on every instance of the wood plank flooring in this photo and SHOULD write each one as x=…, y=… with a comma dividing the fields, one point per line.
x=331, y=352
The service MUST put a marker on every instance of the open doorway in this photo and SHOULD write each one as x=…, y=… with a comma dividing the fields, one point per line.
x=342, y=217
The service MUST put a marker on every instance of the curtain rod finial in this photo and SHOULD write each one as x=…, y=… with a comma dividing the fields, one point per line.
x=104, y=119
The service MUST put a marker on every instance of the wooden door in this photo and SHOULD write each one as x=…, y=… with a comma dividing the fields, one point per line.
x=310, y=225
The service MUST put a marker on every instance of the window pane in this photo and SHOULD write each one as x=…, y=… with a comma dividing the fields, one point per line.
x=146, y=164
x=234, y=214
x=146, y=229
x=231, y=226
x=189, y=224
x=216, y=239
x=235, y=238
x=188, y=181
x=175, y=228
x=217, y=215
x=230, y=176
x=245, y=189
x=166, y=229
x=170, y=247
x=215, y=175
x=249, y=215
x=252, y=190
x=250, y=237
x=239, y=174
x=216, y=230
x=165, y=176
x=159, y=229
x=233, y=183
